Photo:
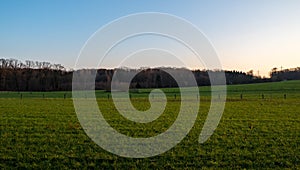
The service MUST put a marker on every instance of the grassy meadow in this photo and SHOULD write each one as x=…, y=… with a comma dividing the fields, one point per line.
x=260, y=128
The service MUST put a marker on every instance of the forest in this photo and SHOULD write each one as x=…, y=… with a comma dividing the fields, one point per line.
x=16, y=75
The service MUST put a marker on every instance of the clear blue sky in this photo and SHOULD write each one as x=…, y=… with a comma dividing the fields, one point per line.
x=250, y=34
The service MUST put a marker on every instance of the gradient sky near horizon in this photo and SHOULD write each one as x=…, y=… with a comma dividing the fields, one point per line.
x=247, y=35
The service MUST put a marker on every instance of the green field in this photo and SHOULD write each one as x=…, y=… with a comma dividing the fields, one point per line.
x=260, y=129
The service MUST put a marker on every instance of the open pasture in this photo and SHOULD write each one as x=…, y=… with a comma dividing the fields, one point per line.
x=260, y=128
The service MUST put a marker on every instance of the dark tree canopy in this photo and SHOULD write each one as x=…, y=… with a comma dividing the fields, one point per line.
x=44, y=76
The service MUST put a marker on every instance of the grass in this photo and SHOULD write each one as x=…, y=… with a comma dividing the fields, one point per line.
x=278, y=89
x=43, y=131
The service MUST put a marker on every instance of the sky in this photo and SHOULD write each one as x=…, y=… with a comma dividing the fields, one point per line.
x=247, y=35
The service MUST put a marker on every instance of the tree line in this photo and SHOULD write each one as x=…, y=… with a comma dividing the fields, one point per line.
x=44, y=76
x=33, y=76
x=285, y=74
